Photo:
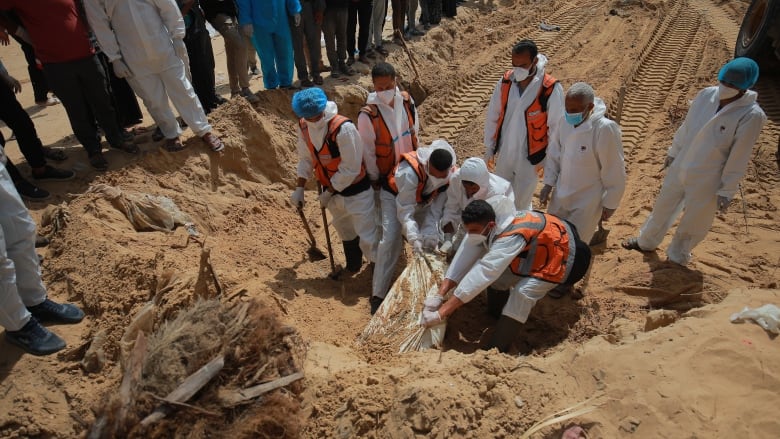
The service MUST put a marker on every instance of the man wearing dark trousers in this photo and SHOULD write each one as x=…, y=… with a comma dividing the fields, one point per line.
x=201, y=55
x=359, y=16
x=310, y=29
x=59, y=34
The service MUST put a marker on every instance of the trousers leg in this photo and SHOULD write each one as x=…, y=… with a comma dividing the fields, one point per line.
x=666, y=210
x=361, y=209
x=296, y=34
x=152, y=92
x=701, y=203
x=123, y=99
x=284, y=56
x=352, y=14
x=64, y=81
x=410, y=13
x=251, y=52
x=329, y=30
x=37, y=79
x=364, y=24
x=93, y=82
x=184, y=99
x=235, y=51
x=523, y=296
x=201, y=56
x=389, y=249
x=265, y=51
x=14, y=116
x=378, y=12
x=311, y=34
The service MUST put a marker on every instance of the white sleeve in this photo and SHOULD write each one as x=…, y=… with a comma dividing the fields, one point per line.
x=736, y=165
x=609, y=153
x=555, y=110
x=465, y=257
x=101, y=26
x=552, y=161
x=305, y=164
x=451, y=213
x=406, y=201
x=491, y=121
x=433, y=212
x=351, y=150
x=490, y=267
x=368, y=136
x=416, y=117
x=682, y=133
x=171, y=17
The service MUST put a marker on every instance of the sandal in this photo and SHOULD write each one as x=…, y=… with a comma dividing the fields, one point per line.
x=632, y=244
x=128, y=147
x=55, y=155
x=173, y=145
x=213, y=142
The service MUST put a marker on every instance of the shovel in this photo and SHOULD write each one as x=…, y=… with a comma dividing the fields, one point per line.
x=314, y=253
x=600, y=236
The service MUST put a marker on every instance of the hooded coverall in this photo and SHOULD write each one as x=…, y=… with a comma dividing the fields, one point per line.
x=490, y=185
x=272, y=38
x=141, y=32
x=585, y=166
x=711, y=150
x=512, y=162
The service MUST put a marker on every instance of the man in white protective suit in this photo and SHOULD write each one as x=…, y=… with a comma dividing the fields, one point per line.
x=329, y=146
x=472, y=181
x=144, y=40
x=413, y=198
x=524, y=252
x=523, y=114
x=708, y=158
x=23, y=301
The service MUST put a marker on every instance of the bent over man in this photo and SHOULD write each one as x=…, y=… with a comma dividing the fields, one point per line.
x=708, y=158
x=525, y=252
x=329, y=145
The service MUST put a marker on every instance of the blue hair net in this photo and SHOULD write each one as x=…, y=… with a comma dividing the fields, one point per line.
x=739, y=72
x=309, y=102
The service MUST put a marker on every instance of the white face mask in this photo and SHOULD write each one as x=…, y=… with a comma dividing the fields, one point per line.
x=386, y=96
x=726, y=92
x=475, y=239
x=316, y=125
x=521, y=73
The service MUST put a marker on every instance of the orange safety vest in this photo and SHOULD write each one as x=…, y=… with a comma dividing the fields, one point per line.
x=549, y=242
x=535, y=117
x=328, y=158
x=422, y=177
x=384, y=142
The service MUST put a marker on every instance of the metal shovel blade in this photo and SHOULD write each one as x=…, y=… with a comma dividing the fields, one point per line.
x=314, y=253
x=600, y=236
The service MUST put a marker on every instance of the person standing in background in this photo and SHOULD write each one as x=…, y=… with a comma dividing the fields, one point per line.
x=359, y=19
x=306, y=42
x=334, y=26
x=200, y=54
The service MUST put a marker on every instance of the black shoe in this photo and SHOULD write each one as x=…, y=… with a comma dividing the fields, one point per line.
x=31, y=192
x=157, y=135
x=306, y=83
x=496, y=299
x=375, y=303
x=35, y=339
x=128, y=147
x=51, y=311
x=353, y=255
x=98, y=162
x=41, y=241
x=55, y=155
x=54, y=174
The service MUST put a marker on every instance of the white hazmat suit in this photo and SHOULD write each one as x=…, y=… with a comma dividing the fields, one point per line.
x=512, y=160
x=353, y=216
x=142, y=33
x=475, y=171
x=585, y=166
x=711, y=150
x=402, y=214
x=476, y=267
x=20, y=272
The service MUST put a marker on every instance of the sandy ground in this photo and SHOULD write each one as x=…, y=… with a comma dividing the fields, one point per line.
x=698, y=376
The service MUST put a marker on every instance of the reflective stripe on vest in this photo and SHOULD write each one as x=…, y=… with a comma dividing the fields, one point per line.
x=535, y=117
x=422, y=178
x=327, y=159
x=549, y=250
x=384, y=141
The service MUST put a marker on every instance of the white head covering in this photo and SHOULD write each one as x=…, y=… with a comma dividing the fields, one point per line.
x=475, y=171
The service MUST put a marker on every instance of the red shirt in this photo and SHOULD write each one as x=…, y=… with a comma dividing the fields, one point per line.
x=57, y=30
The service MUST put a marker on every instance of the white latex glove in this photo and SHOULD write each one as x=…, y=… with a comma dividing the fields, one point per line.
x=668, y=161
x=325, y=198
x=723, y=204
x=120, y=69
x=297, y=19
x=446, y=245
x=430, y=318
x=430, y=243
x=544, y=195
x=417, y=247
x=248, y=30
x=297, y=197
x=433, y=303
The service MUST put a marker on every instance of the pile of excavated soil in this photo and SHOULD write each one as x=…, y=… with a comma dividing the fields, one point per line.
x=697, y=376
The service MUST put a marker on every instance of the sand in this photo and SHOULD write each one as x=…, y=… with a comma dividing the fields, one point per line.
x=697, y=376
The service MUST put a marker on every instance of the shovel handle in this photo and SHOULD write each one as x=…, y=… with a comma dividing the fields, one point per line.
x=306, y=226
x=327, y=235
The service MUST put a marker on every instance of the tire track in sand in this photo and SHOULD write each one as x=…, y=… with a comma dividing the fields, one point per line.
x=470, y=97
x=720, y=20
x=670, y=57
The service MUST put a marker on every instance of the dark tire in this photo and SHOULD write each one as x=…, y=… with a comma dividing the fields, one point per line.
x=755, y=38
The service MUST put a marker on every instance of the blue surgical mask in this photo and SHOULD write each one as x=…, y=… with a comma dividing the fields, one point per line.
x=575, y=118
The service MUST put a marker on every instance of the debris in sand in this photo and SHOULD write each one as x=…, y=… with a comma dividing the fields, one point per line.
x=767, y=317
x=145, y=212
